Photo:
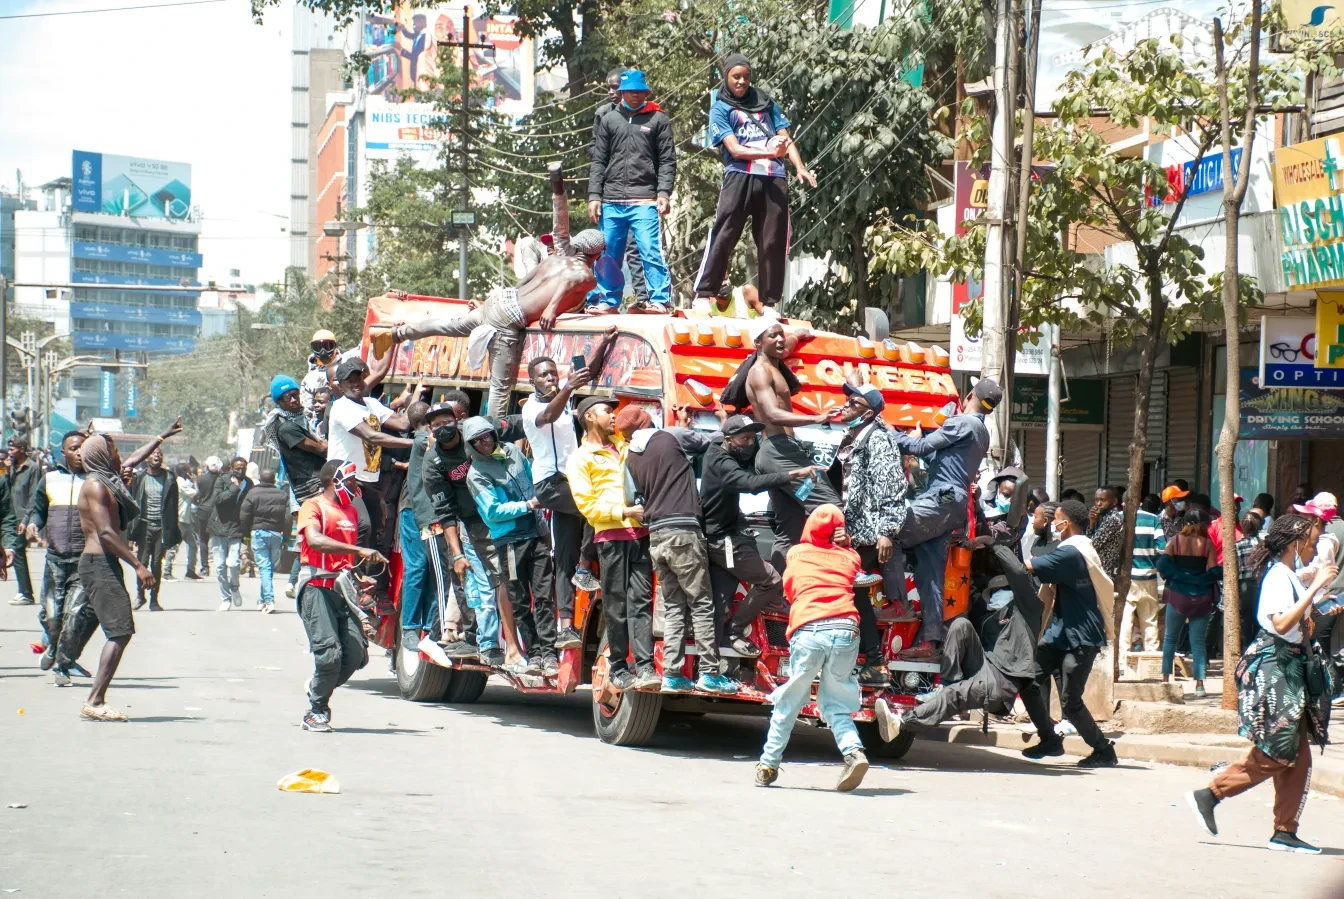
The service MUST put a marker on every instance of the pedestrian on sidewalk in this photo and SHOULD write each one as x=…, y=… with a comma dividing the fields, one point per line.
x=186, y=525
x=1142, y=601
x=25, y=477
x=264, y=516
x=1283, y=706
x=1189, y=569
x=155, y=492
x=823, y=636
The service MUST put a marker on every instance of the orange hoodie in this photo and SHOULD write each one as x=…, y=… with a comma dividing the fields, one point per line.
x=819, y=576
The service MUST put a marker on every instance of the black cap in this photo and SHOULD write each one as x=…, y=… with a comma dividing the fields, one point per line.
x=349, y=366
x=739, y=424
x=589, y=402
x=441, y=409
x=989, y=393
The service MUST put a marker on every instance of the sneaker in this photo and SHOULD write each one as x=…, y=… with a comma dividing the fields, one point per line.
x=867, y=579
x=289, y=591
x=1102, y=757
x=745, y=648
x=856, y=766
x=225, y=606
x=923, y=652
x=193, y=576
x=462, y=650
x=888, y=722
x=550, y=665
x=873, y=676
x=22, y=600
x=1043, y=749
x=61, y=678
x=267, y=608
x=648, y=681
x=534, y=666
x=238, y=600
x=48, y=657
x=1200, y=692
x=1202, y=803
x=139, y=603
x=316, y=722
x=493, y=657
x=568, y=639
x=623, y=680
x=409, y=637
x=677, y=683
x=169, y=577
x=78, y=669
x=652, y=308
x=765, y=775
x=155, y=607
x=716, y=683
x=1286, y=841
x=586, y=581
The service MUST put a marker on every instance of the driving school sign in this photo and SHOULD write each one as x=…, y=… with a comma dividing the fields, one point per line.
x=1288, y=355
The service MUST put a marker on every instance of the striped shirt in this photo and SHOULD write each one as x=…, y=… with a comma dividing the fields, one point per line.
x=1149, y=540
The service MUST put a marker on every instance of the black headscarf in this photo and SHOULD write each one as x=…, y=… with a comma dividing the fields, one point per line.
x=98, y=463
x=755, y=99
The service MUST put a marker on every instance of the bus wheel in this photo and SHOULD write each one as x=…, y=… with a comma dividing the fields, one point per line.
x=418, y=680
x=875, y=746
x=626, y=719
x=467, y=686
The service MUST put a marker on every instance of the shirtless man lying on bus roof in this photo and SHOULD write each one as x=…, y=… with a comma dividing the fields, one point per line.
x=556, y=286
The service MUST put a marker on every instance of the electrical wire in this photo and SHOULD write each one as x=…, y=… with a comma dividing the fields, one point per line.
x=85, y=12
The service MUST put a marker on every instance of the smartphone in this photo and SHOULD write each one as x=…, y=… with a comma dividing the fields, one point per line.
x=577, y=363
x=1329, y=605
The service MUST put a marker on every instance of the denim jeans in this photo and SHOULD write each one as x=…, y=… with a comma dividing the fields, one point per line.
x=415, y=601
x=226, y=555
x=266, y=546
x=1171, y=636
x=618, y=221
x=480, y=596
x=189, y=542
x=830, y=649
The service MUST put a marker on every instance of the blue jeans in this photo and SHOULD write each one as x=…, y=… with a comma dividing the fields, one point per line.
x=266, y=546
x=831, y=651
x=226, y=555
x=480, y=597
x=618, y=221
x=1199, y=629
x=416, y=614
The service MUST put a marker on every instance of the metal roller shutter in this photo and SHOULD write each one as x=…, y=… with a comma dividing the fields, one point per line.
x=1156, y=446
x=1119, y=428
x=1182, y=425
x=1081, y=450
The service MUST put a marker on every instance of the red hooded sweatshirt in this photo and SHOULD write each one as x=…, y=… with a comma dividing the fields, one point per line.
x=819, y=576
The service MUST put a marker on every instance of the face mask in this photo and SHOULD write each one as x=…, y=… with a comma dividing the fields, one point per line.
x=1003, y=502
x=744, y=453
x=1180, y=505
x=445, y=435
x=1057, y=531
x=860, y=421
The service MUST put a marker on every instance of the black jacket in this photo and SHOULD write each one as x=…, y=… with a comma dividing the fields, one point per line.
x=172, y=533
x=414, y=495
x=444, y=476
x=634, y=156
x=264, y=509
x=223, y=506
x=665, y=480
x=722, y=481
x=24, y=483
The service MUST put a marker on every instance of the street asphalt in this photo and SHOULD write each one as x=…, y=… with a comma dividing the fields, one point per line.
x=514, y=796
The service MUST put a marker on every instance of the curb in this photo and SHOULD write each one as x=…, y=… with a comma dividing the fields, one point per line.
x=1325, y=778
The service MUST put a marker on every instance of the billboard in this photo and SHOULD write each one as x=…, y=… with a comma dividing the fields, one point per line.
x=116, y=312
x=1290, y=414
x=397, y=129
x=1288, y=354
x=131, y=186
x=403, y=50
x=104, y=340
x=116, y=253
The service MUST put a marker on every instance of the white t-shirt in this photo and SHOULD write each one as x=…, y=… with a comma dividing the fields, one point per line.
x=344, y=415
x=1279, y=592
x=551, y=444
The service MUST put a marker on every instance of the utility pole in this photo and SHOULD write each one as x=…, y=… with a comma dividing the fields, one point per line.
x=994, y=299
x=465, y=218
x=4, y=341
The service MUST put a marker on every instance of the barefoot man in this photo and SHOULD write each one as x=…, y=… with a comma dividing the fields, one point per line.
x=105, y=511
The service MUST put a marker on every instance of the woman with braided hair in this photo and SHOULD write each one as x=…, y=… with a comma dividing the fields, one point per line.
x=1279, y=714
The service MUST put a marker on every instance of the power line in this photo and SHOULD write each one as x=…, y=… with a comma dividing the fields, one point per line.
x=85, y=12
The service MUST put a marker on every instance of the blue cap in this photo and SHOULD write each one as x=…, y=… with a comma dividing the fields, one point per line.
x=869, y=394
x=282, y=384
x=633, y=80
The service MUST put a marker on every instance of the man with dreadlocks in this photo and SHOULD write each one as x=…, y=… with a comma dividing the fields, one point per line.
x=105, y=511
x=556, y=286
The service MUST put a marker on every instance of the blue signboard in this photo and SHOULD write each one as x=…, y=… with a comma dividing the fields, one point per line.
x=130, y=396
x=147, y=255
x=1293, y=413
x=130, y=186
x=100, y=340
x=105, y=394
x=131, y=281
x=116, y=312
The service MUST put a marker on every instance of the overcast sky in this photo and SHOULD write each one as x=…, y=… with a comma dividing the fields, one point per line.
x=200, y=84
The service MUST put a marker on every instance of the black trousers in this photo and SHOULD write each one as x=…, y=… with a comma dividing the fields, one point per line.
x=527, y=568
x=66, y=615
x=969, y=681
x=21, y=574
x=782, y=453
x=567, y=532
x=374, y=501
x=627, y=601
x=150, y=553
x=203, y=541
x=870, y=641
x=764, y=583
x=1074, y=665
x=766, y=201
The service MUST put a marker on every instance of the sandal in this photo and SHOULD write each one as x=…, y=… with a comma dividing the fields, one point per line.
x=103, y=713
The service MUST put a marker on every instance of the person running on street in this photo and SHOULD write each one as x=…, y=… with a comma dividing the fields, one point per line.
x=328, y=545
x=106, y=510
x=823, y=635
x=25, y=478
x=226, y=531
x=55, y=509
x=155, y=492
x=264, y=520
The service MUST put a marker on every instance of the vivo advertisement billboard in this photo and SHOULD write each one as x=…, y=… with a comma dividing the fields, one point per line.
x=102, y=340
x=147, y=255
x=116, y=312
x=131, y=186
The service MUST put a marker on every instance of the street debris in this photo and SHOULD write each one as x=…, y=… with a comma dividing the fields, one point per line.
x=309, y=780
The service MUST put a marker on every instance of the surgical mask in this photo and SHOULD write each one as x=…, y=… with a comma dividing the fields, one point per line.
x=860, y=421
x=1180, y=505
x=445, y=435
x=1002, y=502
x=1057, y=531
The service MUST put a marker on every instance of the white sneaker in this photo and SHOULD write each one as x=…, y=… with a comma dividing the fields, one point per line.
x=267, y=608
x=289, y=591
x=225, y=606
x=888, y=721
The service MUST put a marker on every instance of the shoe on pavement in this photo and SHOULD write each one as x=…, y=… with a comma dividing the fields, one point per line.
x=624, y=680
x=155, y=607
x=1102, y=757
x=568, y=639
x=1043, y=749
x=267, y=608
x=648, y=681
x=1202, y=803
x=856, y=766
x=550, y=665
x=168, y=576
x=101, y=713
x=459, y=649
x=139, y=603
x=873, y=676
x=22, y=600
x=765, y=775
x=716, y=683
x=888, y=721
x=493, y=657
x=78, y=669
x=289, y=591
x=48, y=657
x=1286, y=841
x=677, y=683
x=193, y=576
x=316, y=722
x=745, y=648
x=238, y=600
x=61, y=678
x=586, y=581
x=225, y=606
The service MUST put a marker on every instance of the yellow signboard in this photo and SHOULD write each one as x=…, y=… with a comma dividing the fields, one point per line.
x=1309, y=191
x=1329, y=329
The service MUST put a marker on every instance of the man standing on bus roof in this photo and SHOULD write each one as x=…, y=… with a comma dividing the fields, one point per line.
x=955, y=452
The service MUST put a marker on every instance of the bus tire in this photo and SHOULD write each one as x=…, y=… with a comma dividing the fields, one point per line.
x=467, y=687
x=875, y=746
x=634, y=718
x=419, y=680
